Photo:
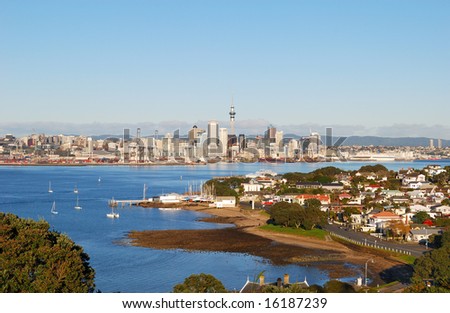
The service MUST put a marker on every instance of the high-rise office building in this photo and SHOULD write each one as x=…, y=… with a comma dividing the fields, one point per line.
x=213, y=135
x=270, y=134
x=223, y=141
x=194, y=135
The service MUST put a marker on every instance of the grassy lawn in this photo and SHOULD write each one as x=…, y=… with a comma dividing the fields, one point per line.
x=408, y=259
x=315, y=233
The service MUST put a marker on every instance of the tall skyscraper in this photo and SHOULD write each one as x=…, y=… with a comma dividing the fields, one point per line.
x=194, y=135
x=223, y=141
x=270, y=134
x=213, y=134
x=232, y=117
x=431, y=144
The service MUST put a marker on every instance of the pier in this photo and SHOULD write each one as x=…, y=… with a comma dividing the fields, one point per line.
x=123, y=203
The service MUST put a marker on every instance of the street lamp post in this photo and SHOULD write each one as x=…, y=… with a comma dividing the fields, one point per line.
x=365, y=271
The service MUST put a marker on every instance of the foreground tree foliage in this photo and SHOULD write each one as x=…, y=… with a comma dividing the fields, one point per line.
x=35, y=259
x=200, y=283
x=432, y=271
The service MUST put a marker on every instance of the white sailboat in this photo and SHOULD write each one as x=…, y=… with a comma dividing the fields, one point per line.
x=50, y=187
x=77, y=206
x=113, y=214
x=53, y=209
x=75, y=190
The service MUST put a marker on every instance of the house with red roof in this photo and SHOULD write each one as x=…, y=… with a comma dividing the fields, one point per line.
x=373, y=187
x=324, y=199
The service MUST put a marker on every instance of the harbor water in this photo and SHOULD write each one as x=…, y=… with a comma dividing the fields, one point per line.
x=121, y=267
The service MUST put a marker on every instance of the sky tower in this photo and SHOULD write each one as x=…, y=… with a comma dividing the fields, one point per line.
x=232, y=115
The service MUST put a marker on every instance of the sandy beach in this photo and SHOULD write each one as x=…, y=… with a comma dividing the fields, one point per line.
x=247, y=237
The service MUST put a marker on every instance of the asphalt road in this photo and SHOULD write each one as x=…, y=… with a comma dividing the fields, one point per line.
x=415, y=249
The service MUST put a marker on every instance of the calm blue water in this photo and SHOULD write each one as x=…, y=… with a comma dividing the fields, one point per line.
x=124, y=268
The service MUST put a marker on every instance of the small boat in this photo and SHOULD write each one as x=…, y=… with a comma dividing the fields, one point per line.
x=50, y=187
x=53, y=209
x=112, y=214
x=75, y=190
x=77, y=206
x=113, y=204
x=99, y=179
x=169, y=209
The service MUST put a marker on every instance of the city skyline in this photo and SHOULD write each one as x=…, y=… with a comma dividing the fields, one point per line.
x=364, y=68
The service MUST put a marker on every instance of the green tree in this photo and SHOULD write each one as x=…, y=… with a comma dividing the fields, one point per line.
x=373, y=168
x=221, y=188
x=432, y=271
x=286, y=214
x=313, y=215
x=35, y=259
x=336, y=286
x=421, y=217
x=200, y=283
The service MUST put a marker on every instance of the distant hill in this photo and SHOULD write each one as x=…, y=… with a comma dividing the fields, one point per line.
x=396, y=142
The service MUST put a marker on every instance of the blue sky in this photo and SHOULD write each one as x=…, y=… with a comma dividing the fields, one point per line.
x=363, y=67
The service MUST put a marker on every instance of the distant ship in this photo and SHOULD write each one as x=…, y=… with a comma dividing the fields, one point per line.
x=372, y=158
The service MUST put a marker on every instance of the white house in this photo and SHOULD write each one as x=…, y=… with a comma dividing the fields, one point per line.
x=392, y=193
x=414, y=185
x=382, y=219
x=225, y=202
x=423, y=234
x=251, y=187
x=419, y=208
x=413, y=178
x=444, y=210
x=416, y=194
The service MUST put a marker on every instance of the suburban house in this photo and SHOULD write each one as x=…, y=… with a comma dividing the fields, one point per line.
x=417, y=194
x=324, y=199
x=443, y=210
x=392, y=193
x=373, y=188
x=413, y=178
x=419, y=208
x=252, y=186
x=434, y=170
x=382, y=219
x=414, y=185
x=423, y=234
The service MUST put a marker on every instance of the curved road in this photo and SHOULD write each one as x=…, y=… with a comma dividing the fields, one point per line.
x=415, y=249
